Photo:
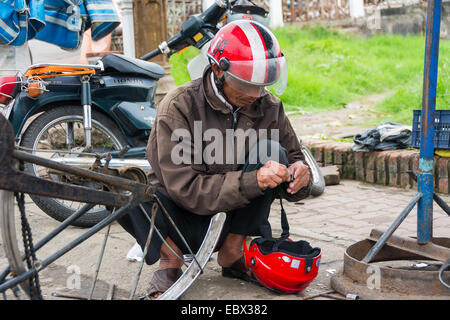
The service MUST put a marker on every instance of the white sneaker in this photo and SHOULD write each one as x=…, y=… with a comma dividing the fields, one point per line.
x=135, y=253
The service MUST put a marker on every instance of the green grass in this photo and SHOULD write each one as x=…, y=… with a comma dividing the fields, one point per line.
x=408, y=96
x=328, y=69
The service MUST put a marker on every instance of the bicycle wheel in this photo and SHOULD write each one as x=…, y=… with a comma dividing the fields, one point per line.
x=20, y=274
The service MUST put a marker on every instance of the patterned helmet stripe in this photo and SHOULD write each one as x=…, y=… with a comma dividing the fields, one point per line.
x=258, y=51
x=271, y=50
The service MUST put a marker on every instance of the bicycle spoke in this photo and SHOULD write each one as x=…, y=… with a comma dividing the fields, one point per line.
x=178, y=231
x=162, y=238
x=64, y=136
x=70, y=137
x=147, y=244
x=99, y=262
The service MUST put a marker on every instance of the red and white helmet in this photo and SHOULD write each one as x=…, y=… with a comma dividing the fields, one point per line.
x=281, y=265
x=250, y=55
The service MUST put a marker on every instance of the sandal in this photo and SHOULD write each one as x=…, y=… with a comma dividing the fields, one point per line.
x=162, y=280
x=239, y=271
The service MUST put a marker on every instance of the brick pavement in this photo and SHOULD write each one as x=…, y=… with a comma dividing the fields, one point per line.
x=351, y=209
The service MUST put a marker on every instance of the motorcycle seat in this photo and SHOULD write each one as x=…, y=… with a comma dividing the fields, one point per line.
x=120, y=63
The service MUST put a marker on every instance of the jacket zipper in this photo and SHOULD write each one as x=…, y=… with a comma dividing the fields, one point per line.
x=235, y=118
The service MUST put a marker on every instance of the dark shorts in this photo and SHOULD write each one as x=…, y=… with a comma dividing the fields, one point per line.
x=251, y=220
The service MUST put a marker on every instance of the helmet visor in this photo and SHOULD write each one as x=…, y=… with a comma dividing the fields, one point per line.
x=253, y=77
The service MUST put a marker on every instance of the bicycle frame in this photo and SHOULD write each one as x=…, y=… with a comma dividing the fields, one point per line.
x=14, y=180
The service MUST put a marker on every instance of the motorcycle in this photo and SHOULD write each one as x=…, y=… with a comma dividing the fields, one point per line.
x=102, y=114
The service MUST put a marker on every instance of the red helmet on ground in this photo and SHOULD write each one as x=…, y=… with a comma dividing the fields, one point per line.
x=250, y=55
x=282, y=265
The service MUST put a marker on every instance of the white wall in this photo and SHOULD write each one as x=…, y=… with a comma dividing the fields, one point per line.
x=356, y=8
x=276, y=14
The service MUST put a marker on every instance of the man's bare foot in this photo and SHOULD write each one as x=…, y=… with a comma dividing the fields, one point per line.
x=231, y=250
x=168, y=261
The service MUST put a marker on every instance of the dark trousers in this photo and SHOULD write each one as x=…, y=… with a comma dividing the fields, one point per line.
x=251, y=220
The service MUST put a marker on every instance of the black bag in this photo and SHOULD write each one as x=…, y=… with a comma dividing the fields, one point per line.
x=386, y=136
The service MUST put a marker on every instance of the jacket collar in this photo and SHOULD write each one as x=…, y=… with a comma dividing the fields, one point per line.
x=253, y=111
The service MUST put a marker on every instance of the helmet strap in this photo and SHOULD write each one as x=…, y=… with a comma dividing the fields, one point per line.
x=284, y=221
x=220, y=82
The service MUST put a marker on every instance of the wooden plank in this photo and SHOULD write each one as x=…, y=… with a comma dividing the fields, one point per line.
x=150, y=27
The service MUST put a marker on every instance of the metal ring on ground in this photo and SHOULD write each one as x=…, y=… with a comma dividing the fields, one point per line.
x=376, y=281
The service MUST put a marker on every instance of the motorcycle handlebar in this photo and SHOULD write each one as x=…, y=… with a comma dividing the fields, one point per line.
x=151, y=54
x=177, y=40
x=210, y=17
x=166, y=47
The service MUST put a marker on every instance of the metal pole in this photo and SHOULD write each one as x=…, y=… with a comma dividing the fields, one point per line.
x=425, y=172
x=386, y=235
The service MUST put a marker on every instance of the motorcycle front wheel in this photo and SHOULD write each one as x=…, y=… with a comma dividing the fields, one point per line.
x=57, y=131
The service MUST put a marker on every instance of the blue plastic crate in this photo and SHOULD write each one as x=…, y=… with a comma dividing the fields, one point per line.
x=441, y=129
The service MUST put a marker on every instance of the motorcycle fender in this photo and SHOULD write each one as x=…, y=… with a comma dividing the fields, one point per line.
x=24, y=107
x=134, y=117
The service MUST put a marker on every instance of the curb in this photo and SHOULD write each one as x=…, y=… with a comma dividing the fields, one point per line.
x=387, y=168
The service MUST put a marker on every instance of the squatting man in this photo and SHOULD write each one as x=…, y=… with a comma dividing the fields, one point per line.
x=196, y=180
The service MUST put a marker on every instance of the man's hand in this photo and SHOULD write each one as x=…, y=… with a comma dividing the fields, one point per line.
x=301, y=176
x=271, y=175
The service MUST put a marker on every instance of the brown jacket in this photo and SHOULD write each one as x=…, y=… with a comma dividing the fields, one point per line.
x=205, y=188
